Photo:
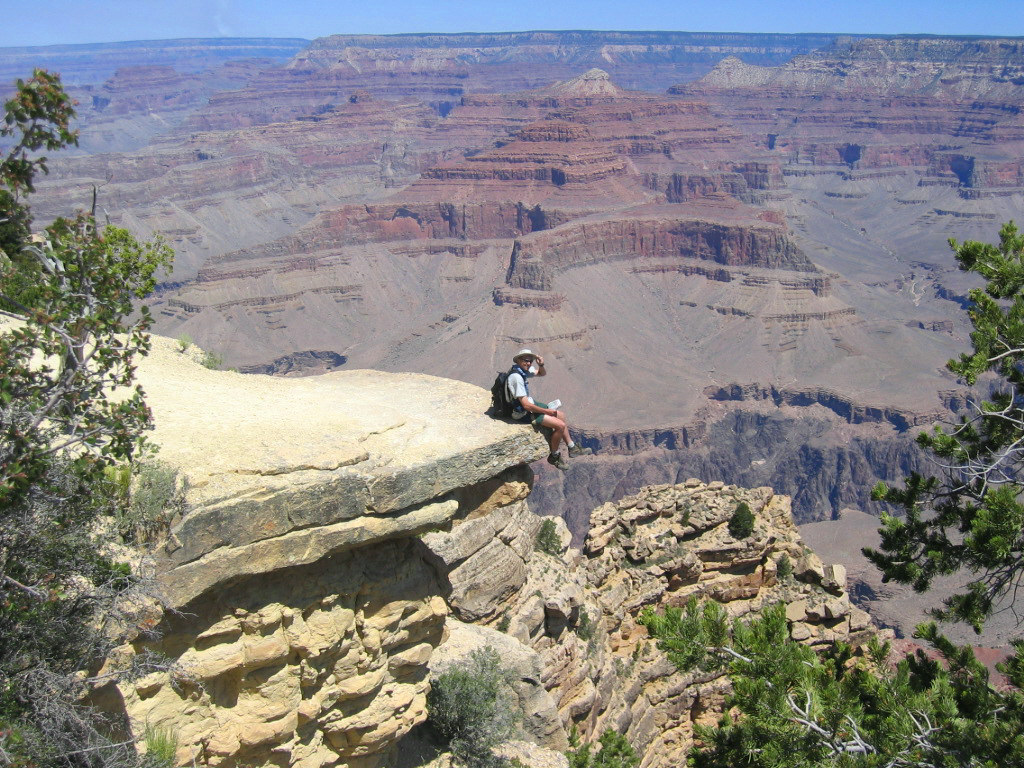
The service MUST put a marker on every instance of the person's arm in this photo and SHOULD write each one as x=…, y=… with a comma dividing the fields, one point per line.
x=541, y=371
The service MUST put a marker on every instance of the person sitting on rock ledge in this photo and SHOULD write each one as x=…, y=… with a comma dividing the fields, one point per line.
x=526, y=365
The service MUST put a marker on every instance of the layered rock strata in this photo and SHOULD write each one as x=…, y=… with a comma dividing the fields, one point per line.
x=577, y=610
x=93, y=63
x=343, y=539
x=439, y=69
x=361, y=208
x=300, y=611
x=947, y=105
x=534, y=260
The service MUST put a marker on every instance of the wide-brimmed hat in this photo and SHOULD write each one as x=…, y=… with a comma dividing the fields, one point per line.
x=524, y=353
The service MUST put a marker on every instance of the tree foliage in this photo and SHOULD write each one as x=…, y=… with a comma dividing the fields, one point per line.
x=69, y=411
x=547, y=539
x=970, y=515
x=470, y=707
x=615, y=752
x=741, y=524
x=798, y=708
x=38, y=117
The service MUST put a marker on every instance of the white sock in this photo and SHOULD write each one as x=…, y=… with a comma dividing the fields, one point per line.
x=571, y=444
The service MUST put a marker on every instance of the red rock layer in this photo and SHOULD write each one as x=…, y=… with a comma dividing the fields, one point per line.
x=536, y=259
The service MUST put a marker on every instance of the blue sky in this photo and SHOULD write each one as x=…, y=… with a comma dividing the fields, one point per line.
x=45, y=22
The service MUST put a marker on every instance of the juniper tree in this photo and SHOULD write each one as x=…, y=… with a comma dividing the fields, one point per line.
x=970, y=516
x=471, y=707
x=741, y=524
x=799, y=708
x=71, y=336
x=615, y=751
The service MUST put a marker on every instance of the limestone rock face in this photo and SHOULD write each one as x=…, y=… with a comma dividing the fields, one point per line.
x=347, y=537
x=316, y=664
x=667, y=543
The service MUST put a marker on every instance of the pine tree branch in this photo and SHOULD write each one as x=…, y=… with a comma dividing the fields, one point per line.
x=35, y=592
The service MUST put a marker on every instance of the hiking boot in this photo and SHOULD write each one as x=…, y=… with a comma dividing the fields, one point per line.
x=579, y=450
x=556, y=460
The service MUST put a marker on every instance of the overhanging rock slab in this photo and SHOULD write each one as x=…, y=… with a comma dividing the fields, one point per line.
x=282, y=472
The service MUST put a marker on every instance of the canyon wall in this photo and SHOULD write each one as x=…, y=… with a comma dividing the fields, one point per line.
x=92, y=63
x=344, y=538
x=744, y=277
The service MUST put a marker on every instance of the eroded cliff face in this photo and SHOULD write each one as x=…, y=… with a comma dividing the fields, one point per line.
x=315, y=665
x=347, y=537
x=301, y=610
x=578, y=609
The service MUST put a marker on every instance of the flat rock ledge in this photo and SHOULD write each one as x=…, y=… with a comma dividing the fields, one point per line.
x=281, y=472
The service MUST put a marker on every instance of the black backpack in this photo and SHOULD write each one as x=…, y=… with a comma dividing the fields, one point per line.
x=501, y=405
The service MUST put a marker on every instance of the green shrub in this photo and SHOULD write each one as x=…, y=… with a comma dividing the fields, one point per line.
x=184, y=342
x=154, y=499
x=161, y=747
x=615, y=752
x=741, y=524
x=585, y=626
x=547, y=540
x=212, y=360
x=784, y=567
x=119, y=480
x=470, y=708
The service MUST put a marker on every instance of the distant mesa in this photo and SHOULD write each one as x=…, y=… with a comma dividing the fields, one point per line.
x=592, y=83
x=732, y=72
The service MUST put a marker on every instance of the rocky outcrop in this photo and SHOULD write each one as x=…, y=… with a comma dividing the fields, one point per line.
x=666, y=544
x=314, y=665
x=283, y=472
x=306, y=363
x=338, y=546
x=300, y=610
x=577, y=610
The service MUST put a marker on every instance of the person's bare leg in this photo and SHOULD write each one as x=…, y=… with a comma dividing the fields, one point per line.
x=559, y=430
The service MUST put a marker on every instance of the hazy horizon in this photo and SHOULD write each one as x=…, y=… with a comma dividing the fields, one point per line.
x=62, y=22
